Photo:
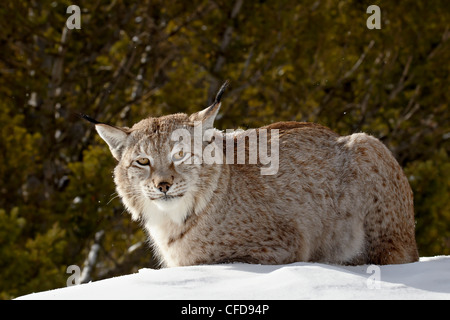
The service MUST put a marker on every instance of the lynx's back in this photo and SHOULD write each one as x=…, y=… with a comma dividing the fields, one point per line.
x=333, y=199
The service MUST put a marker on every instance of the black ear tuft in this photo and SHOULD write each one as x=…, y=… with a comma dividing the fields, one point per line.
x=221, y=91
x=86, y=117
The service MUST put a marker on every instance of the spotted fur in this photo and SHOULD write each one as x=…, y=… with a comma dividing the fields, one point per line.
x=335, y=199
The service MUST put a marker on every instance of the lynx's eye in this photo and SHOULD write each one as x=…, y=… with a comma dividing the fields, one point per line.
x=143, y=161
x=178, y=156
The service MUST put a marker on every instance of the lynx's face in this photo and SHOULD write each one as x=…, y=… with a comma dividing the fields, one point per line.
x=158, y=177
x=158, y=171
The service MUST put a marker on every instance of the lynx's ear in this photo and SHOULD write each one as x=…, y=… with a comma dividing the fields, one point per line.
x=114, y=137
x=207, y=116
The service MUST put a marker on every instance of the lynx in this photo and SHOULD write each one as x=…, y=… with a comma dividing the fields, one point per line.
x=334, y=199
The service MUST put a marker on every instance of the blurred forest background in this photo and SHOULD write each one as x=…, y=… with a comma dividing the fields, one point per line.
x=287, y=60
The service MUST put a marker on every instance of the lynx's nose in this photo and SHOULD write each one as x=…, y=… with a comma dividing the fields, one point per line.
x=162, y=181
x=163, y=186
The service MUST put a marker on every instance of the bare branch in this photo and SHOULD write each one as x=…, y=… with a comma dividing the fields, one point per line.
x=226, y=39
x=401, y=81
x=91, y=259
x=349, y=73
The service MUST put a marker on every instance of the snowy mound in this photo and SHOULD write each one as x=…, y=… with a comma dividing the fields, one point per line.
x=427, y=279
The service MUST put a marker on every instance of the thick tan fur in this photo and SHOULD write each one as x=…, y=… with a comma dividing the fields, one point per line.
x=335, y=199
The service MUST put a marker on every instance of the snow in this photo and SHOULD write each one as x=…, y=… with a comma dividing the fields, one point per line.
x=427, y=279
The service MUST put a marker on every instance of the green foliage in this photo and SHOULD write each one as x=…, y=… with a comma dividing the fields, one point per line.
x=431, y=184
x=287, y=60
x=24, y=147
x=29, y=263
